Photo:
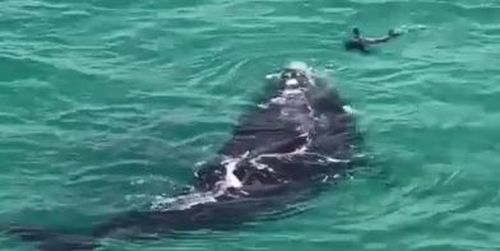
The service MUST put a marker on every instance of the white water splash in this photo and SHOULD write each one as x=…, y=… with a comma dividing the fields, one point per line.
x=273, y=76
x=410, y=28
x=231, y=180
x=348, y=109
x=182, y=202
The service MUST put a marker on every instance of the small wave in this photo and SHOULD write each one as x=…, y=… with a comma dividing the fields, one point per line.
x=299, y=65
x=412, y=27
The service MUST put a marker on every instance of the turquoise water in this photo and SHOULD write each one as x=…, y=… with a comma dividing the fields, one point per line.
x=107, y=104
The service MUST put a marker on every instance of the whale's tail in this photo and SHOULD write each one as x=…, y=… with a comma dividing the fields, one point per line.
x=49, y=240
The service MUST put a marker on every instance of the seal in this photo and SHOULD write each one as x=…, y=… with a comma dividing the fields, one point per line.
x=304, y=135
x=363, y=44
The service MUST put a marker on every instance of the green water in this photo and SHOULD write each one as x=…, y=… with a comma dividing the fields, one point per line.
x=106, y=104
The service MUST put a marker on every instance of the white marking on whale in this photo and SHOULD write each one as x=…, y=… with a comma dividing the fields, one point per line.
x=292, y=82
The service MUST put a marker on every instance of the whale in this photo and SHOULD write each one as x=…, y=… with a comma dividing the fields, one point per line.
x=282, y=152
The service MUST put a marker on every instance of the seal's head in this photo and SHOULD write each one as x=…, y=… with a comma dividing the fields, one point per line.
x=355, y=32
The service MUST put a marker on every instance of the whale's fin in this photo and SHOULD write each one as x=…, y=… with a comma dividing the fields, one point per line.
x=49, y=240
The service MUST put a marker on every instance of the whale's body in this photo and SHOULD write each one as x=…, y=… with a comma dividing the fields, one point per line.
x=303, y=133
x=279, y=153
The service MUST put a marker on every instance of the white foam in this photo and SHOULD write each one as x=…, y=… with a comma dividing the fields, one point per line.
x=298, y=151
x=278, y=100
x=181, y=202
x=289, y=92
x=258, y=165
x=138, y=182
x=263, y=106
x=272, y=76
x=335, y=160
x=231, y=180
x=200, y=163
x=348, y=109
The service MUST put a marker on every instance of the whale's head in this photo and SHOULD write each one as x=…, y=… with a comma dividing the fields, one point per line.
x=294, y=75
x=292, y=78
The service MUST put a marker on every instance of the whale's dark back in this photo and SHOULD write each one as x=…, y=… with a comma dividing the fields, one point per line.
x=278, y=155
x=303, y=132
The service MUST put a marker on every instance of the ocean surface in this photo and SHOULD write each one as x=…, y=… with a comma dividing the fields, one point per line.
x=109, y=105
